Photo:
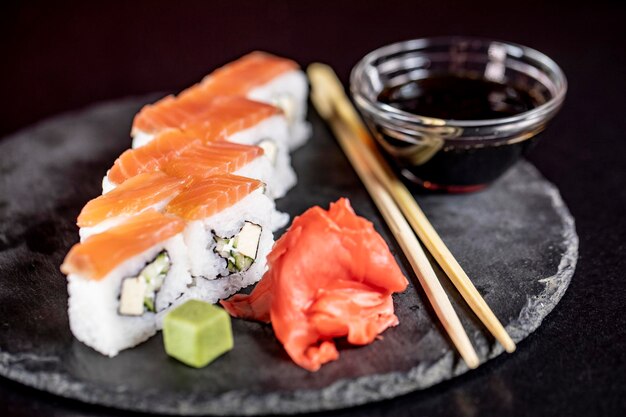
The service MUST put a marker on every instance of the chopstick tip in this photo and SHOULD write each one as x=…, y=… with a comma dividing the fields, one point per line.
x=510, y=347
x=472, y=363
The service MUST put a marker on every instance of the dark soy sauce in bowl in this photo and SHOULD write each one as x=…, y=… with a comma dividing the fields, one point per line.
x=452, y=97
x=459, y=98
x=455, y=113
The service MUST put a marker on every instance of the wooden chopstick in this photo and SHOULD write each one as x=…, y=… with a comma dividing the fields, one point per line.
x=322, y=76
x=397, y=223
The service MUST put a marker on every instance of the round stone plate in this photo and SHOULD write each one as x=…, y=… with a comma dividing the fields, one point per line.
x=516, y=240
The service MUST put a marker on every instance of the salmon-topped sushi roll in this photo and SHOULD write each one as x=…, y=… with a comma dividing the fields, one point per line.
x=119, y=279
x=215, y=117
x=148, y=158
x=149, y=190
x=222, y=118
x=267, y=78
x=228, y=233
x=226, y=158
x=219, y=157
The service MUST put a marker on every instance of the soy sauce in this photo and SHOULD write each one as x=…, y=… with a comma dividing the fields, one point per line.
x=454, y=97
x=459, y=98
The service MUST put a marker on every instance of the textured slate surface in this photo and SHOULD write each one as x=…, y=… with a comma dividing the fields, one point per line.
x=516, y=240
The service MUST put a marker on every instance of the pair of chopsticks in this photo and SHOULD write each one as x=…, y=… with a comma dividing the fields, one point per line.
x=402, y=214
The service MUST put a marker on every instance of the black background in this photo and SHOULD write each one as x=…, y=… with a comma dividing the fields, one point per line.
x=56, y=57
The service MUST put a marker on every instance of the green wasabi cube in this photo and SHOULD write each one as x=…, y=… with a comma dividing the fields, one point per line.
x=196, y=333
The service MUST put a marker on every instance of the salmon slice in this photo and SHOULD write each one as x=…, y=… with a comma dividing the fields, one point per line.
x=151, y=156
x=246, y=73
x=209, y=117
x=133, y=196
x=100, y=254
x=210, y=159
x=208, y=196
x=331, y=275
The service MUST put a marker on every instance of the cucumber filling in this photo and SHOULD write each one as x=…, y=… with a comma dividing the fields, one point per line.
x=239, y=251
x=138, y=294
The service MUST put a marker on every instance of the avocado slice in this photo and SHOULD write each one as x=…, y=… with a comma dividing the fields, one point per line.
x=132, y=296
x=138, y=293
x=247, y=240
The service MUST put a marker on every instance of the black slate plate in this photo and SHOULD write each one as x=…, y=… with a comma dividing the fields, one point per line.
x=516, y=240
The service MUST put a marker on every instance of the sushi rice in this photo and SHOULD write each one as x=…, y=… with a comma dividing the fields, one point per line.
x=94, y=304
x=274, y=129
x=289, y=91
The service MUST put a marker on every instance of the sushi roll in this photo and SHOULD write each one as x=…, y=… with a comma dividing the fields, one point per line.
x=149, y=190
x=228, y=234
x=267, y=78
x=132, y=162
x=221, y=157
x=224, y=118
x=213, y=117
x=119, y=279
x=226, y=157
x=165, y=178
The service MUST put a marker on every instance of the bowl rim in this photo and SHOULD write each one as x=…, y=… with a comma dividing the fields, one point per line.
x=513, y=49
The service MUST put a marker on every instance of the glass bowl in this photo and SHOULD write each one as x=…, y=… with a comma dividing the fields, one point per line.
x=456, y=155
